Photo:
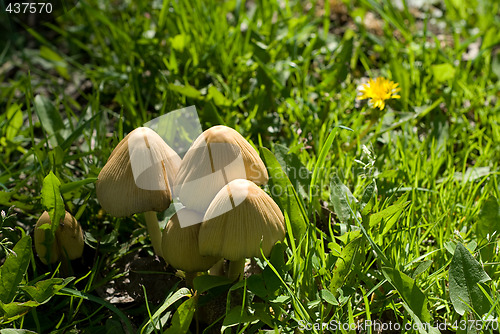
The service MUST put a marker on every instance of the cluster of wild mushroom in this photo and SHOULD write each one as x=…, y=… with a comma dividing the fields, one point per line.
x=225, y=214
x=67, y=243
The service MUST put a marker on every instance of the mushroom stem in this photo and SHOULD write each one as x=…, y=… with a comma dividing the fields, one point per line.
x=190, y=276
x=154, y=231
x=236, y=270
x=217, y=269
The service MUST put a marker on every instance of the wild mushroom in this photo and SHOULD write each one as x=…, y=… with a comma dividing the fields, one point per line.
x=180, y=244
x=68, y=242
x=218, y=156
x=137, y=178
x=241, y=219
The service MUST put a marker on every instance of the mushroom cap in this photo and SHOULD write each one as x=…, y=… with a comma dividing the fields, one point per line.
x=138, y=175
x=68, y=241
x=180, y=245
x=39, y=236
x=69, y=235
x=240, y=217
x=218, y=156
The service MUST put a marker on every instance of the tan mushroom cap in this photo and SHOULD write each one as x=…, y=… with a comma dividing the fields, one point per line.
x=39, y=239
x=68, y=242
x=218, y=156
x=138, y=175
x=69, y=235
x=239, y=219
x=180, y=245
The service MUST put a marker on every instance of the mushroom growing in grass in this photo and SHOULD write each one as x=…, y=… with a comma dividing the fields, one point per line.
x=180, y=244
x=67, y=244
x=218, y=156
x=240, y=220
x=137, y=178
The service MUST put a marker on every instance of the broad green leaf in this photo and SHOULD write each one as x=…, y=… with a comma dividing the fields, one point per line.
x=236, y=316
x=42, y=291
x=421, y=326
x=409, y=291
x=52, y=201
x=283, y=192
x=341, y=198
x=489, y=219
x=181, y=293
x=422, y=267
x=257, y=285
x=14, y=268
x=465, y=274
x=50, y=118
x=299, y=175
x=12, y=311
x=345, y=262
x=218, y=98
x=15, y=121
x=206, y=282
x=188, y=91
x=272, y=282
x=15, y=331
x=182, y=317
x=369, y=198
x=386, y=218
x=179, y=42
x=329, y=297
x=60, y=64
x=261, y=311
x=443, y=72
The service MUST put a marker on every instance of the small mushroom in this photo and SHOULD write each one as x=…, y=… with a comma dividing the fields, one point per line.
x=180, y=244
x=68, y=242
x=240, y=220
x=137, y=178
x=218, y=156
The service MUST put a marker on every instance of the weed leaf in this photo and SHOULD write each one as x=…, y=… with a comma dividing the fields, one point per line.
x=489, y=218
x=386, y=218
x=50, y=118
x=206, y=282
x=341, y=198
x=466, y=273
x=42, y=291
x=182, y=317
x=236, y=316
x=14, y=268
x=12, y=311
x=283, y=192
x=52, y=200
x=344, y=263
x=409, y=291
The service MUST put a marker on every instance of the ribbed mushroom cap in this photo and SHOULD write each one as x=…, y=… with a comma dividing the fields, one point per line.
x=180, y=245
x=138, y=175
x=69, y=236
x=218, y=156
x=238, y=219
x=68, y=241
x=39, y=236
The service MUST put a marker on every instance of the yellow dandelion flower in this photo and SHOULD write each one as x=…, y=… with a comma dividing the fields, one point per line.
x=378, y=91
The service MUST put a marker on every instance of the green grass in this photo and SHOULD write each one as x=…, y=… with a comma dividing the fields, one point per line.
x=424, y=171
